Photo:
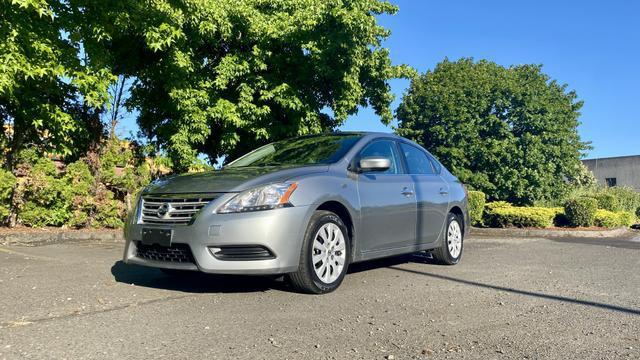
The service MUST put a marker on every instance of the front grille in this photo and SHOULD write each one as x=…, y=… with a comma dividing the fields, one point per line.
x=180, y=253
x=173, y=210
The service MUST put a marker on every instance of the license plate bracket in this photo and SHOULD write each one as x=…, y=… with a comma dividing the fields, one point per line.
x=161, y=237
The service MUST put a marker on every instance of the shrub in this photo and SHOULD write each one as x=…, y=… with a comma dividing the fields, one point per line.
x=628, y=198
x=501, y=214
x=477, y=199
x=497, y=205
x=108, y=212
x=7, y=182
x=626, y=218
x=610, y=219
x=581, y=211
x=638, y=212
x=607, y=201
x=47, y=198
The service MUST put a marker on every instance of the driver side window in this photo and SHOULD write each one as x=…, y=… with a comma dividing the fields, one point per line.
x=384, y=148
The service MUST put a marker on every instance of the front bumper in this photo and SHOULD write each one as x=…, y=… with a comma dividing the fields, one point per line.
x=281, y=231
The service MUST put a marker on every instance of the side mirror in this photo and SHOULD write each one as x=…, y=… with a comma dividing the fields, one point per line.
x=374, y=163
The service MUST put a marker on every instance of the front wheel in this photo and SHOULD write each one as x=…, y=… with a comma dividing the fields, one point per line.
x=450, y=252
x=324, y=256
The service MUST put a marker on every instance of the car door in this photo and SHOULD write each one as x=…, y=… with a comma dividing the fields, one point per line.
x=432, y=192
x=387, y=201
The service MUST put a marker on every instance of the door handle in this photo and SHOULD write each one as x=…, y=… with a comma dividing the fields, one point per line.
x=406, y=192
x=444, y=192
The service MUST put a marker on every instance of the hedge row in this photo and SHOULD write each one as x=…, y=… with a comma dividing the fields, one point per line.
x=610, y=219
x=577, y=212
x=502, y=214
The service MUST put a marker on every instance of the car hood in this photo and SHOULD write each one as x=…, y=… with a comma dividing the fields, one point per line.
x=229, y=180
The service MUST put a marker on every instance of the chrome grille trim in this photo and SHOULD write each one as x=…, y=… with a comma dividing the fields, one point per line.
x=175, y=209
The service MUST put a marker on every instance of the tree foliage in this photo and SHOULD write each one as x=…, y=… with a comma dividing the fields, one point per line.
x=509, y=132
x=221, y=77
x=51, y=90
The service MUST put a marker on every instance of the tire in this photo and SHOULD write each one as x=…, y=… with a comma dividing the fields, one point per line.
x=329, y=274
x=446, y=254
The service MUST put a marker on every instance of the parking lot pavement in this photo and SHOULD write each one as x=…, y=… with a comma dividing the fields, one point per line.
x=509, y=298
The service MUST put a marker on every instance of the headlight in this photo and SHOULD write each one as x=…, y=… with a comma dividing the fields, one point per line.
x=261, y=198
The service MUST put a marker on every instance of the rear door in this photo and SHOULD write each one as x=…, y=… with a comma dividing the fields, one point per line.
x=432, y=192
x=387, y=201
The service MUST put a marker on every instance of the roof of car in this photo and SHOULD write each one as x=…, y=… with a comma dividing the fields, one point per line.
x=363, y=133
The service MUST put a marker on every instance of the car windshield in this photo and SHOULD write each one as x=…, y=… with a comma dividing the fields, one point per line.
x=308, y=150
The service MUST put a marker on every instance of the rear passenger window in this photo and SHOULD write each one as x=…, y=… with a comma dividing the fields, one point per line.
x=417, y=160
x=436, y=165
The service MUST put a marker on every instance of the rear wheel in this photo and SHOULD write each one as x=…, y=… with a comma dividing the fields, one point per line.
x=450, y=252
x=324, y=256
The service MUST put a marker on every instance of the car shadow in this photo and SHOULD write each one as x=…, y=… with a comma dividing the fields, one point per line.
x=421, y=257
x=198, y=282
x=193, y=281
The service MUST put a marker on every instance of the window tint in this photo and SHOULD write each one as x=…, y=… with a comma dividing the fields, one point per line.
x=417, y=160
x=436, y=165
x=384, y=148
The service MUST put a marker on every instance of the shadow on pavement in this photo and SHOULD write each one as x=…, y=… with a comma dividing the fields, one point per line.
x=617, y=243
x=192, y=281
x=524, y=292
x=389, y=262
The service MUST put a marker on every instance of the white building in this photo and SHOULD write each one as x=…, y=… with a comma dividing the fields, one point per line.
x=616, y=171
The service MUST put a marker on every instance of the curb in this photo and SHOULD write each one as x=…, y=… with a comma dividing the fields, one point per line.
x=550, y=233
x=38, y=238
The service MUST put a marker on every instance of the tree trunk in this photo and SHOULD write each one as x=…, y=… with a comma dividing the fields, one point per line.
x=12, y=219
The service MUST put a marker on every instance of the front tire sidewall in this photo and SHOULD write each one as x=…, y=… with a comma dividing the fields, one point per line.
x=320, y=287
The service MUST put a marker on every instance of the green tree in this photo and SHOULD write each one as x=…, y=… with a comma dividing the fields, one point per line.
x=220, y=77
x=51, y=90
x=509, y=132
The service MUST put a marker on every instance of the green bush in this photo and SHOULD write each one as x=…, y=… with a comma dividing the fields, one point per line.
x=477, y=199
x=108, y=212
x=628, y=198
x=94, y=191
x=7, y=182
x=81, y=183
x=47, y=198
x=627, y=218
x=610, y=219
x=497, y=205
x=638, y=212
x=502, y=214
x=607, y=201
x=581, y=211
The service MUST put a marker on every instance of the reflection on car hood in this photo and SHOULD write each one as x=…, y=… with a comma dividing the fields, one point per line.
x=230, y=179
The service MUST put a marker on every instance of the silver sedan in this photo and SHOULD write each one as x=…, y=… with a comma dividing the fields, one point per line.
x=305, y=207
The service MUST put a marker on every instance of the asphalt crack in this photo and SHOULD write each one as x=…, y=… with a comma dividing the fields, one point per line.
x=26, y=322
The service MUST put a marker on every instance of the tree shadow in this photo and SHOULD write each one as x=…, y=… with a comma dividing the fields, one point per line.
x=596, y=304
x=193, y=281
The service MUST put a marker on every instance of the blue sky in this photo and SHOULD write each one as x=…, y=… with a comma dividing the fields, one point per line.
x=593, y=46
